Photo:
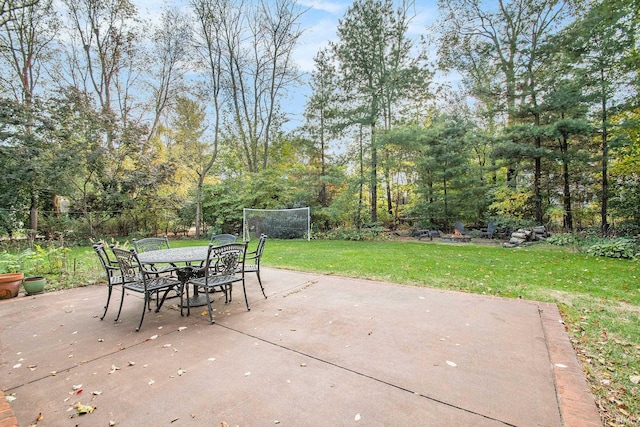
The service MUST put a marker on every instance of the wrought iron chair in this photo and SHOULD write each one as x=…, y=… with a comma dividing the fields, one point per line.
x=112, y=271
x=223, y=268
x=222, y=239
x=149, y=244
x=138, y=279
x=252, y=260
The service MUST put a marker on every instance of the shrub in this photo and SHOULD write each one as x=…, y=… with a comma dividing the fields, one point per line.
x=615, y=248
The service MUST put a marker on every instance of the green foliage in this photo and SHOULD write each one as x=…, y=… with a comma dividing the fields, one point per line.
x=564, y=239
x=33, y=262
x=353, y=234
x=615, y=248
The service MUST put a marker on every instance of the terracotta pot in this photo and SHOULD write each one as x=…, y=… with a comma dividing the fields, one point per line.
x=34, y=285
x=10, y=284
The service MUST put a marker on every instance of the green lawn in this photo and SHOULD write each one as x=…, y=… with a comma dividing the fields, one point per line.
x=599, y=297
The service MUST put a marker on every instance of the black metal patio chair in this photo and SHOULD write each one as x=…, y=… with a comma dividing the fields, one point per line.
x=149, y=244
x=224, y=267
x=222, y=239
x=252, y=260
x=147, y=282
x=112, y=272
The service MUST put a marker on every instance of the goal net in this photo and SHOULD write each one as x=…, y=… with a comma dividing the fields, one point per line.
x=276, y=223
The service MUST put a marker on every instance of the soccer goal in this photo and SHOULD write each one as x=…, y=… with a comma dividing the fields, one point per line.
x=277, y=223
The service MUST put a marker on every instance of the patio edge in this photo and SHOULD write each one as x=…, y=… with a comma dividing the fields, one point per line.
x=575, y=399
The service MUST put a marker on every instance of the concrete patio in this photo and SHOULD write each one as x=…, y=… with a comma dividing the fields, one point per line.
x=320, y=351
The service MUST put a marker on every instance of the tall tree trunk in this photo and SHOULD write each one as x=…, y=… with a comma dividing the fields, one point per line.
x=605, y=161
x=566, y=196
x=374, y=176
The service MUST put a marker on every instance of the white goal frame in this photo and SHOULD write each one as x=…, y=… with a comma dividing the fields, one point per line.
x=270, y=213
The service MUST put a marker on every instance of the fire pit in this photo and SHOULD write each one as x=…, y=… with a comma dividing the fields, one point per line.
x=456, y=237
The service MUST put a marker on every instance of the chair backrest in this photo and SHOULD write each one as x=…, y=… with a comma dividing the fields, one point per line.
x=103, y=256
x=222, y=239
x=110, y=266
x=260, y=248
x=130, y=266
x=226, y=259
x=491, y=228
x=149, y=244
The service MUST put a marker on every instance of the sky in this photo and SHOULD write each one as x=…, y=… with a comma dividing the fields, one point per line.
x=319, y=24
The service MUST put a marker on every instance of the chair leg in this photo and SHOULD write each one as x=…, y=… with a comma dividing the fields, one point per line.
x=121, y=301
x=206, y=292
x=246, y=301
x=260, y=282
x=147, y=300
x=106, y=307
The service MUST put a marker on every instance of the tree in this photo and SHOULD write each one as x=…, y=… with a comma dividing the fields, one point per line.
x=26, y=36
x=377, y=70
x=196, y=156
x=102, y=52
x=169, y=55
x=507, y=38
x=320, y=112
x=603, y=43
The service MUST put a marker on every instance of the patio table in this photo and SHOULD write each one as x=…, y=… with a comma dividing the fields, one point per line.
x=174, y=256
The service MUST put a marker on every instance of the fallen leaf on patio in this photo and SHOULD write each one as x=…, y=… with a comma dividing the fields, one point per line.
x=204, y=313
x=224, y=424
x=211, y=359
x=450, y=363
x=83, y=409
x=181, y=371
x=357, y=417
x=10, y=398
x=303, y=365
x=166, y=345
x=560, y=365
x=112, y=423
x=182, y=328
x=77, y=387
x=246, y=374
x=17, y=365
x=151, y=382
x=635, y=379
x=100, y=340
x=153, y=337
x=32, y=367
x=96, y=393
x=131, y=363
x=53, y=373
x=113, y=369
x=40, y=417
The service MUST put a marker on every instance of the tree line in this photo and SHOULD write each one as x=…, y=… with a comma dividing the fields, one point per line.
x=113, y=124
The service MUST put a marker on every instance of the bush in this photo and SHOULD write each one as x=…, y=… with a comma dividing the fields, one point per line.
x=615, y=248
x=564, y=239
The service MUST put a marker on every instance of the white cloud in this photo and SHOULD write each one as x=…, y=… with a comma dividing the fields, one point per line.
x=332, y=7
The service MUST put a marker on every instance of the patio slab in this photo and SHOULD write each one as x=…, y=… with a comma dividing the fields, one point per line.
x=321, y=350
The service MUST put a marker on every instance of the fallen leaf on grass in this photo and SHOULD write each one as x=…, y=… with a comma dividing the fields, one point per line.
x=635, y=379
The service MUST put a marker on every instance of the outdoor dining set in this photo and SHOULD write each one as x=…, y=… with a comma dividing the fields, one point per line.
x=157, y=271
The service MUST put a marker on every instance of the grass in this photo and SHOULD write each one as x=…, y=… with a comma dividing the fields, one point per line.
x=599, y=298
